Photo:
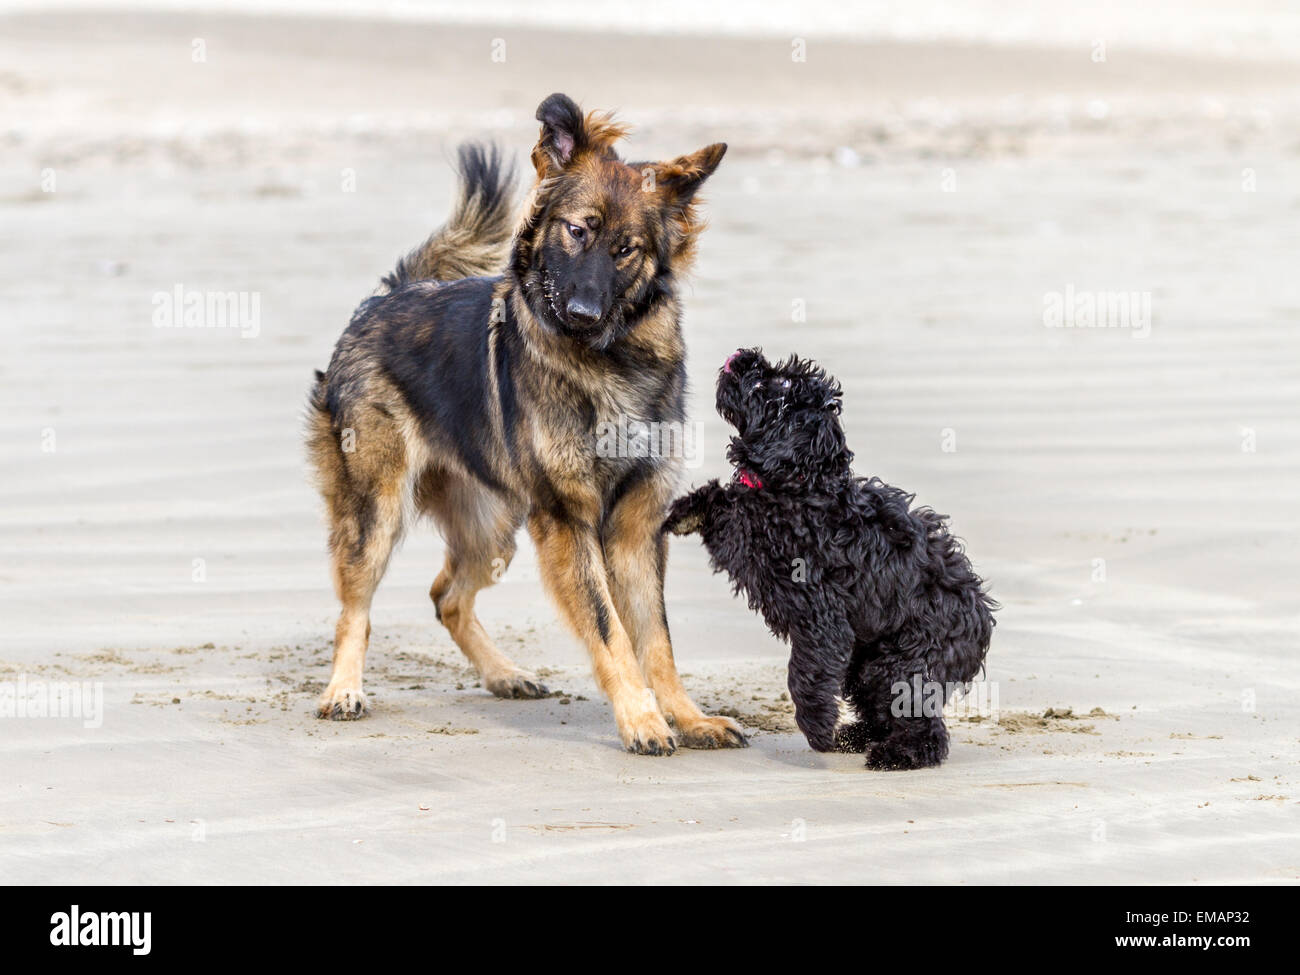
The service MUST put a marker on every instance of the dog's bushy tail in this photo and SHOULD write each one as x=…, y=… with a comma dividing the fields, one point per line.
x=475, y=240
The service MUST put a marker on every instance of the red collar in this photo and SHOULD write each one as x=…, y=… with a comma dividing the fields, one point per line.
x=748, y=478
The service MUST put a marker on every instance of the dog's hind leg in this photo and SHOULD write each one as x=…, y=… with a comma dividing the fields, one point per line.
x=900, y=716
x=365, y=493
x=636, y=555
x=479, y=527
x=857, y=735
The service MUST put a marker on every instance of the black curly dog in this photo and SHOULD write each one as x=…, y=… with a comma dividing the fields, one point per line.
x=878, y=601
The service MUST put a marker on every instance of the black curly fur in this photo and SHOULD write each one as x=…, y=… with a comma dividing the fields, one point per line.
x=869, y=591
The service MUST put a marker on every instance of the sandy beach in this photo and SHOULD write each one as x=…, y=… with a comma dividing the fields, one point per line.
x=902, y=211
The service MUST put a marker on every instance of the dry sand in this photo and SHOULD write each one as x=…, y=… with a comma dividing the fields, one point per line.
x=1151, y=173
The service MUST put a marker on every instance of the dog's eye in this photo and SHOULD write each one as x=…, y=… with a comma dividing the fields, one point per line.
x=625, y=250
x=578, y=233
x=785, y=384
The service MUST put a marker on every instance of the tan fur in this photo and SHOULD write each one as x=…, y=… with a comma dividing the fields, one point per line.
x=359, y=555
x=633, y=547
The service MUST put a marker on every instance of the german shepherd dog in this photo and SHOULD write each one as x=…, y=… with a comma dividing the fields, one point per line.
x=476, y=397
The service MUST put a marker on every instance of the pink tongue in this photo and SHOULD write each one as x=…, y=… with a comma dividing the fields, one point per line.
x=726, y=366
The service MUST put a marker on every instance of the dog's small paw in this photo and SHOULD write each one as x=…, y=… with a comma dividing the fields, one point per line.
x=687, y=525
x=516, y=684
x=342, y=704
x=682, y=520
x=648, y=734
x=904, y=754
x=712, y=732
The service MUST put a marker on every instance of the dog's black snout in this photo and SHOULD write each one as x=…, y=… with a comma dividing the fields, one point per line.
x=583, y=310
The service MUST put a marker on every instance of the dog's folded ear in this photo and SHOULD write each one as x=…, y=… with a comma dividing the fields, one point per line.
x=567, y=133
x=827, y=450
x=562, y=133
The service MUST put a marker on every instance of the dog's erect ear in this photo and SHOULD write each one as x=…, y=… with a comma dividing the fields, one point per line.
x=680, y=178
x=563, y=134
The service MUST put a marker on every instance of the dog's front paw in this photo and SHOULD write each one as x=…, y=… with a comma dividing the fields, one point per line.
x=515, y=684
x=711, y=732
x=686, y=526
x=647, y=734
x=682, y=518
x=818, y=727
x=340, y=703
